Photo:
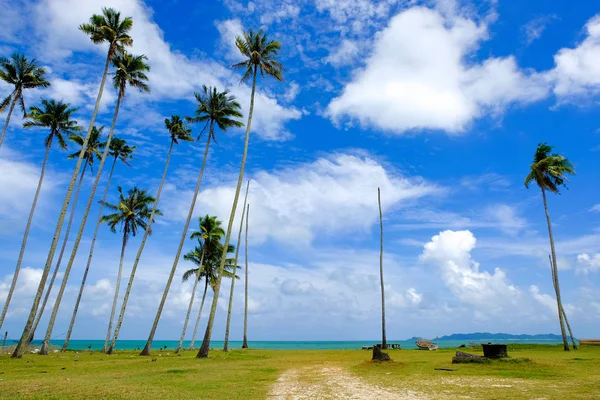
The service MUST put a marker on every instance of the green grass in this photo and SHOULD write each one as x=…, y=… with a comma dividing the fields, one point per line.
x=531, y=372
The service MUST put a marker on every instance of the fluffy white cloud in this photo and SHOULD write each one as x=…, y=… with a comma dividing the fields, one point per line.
x=417, y=77
x=533, y=29
x=328, y=195
x=505, y=218
x=280, y=13
x=451, y=252
x=27, y=285
x=577, y=70
x=344, y=54
x=595, y=208
x=588, y=263
x=229, y=30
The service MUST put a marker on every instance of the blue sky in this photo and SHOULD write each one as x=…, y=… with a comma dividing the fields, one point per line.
x=441, y=104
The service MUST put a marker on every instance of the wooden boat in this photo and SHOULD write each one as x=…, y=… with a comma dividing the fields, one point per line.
x=424, y=344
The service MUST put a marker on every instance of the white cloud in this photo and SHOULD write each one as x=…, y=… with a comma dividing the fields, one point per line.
x=451, y=252
x=418, y=78
x=595, y=208
x=27, y=285
x=344, y=54
x=533, y=29
x=505, y=218
x=487, y=181
x=588, y=263
x=328, y=195
x=280, y=13
x=229, y=30
x=292, y=92
x=355, y=15
x=577, y=70
x=544, y=299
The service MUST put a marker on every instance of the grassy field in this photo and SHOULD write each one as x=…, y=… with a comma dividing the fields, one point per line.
x=532, y=372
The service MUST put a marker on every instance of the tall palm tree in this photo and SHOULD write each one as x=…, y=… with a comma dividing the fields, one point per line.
x=210, y=231
x=91, y=152
x=208, y=271
x=56, y=116
x=245, y=340
x=237, y=251
x=110, y=29
x=130, y=71
x=549, y=172
x=214, y=107
x=260, y=56
x=178, y=131
x=119, y=150
x=131, y=213
x=383, y=335
x=21, y=74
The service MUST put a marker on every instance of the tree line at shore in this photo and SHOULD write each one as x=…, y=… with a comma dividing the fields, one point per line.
x=136, y=209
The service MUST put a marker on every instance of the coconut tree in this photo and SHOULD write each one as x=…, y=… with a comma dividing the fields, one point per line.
x=110, y=29
x=260, y=54
x=178, y=131
x=91, y=153
x=130, y=70
x=21, y=74
x=245, y=340
x=120, y=151
x=237, y=251
x=214, y=108
x=383, y=336
x=57, y=117
x=549, y=171
x=131, y=213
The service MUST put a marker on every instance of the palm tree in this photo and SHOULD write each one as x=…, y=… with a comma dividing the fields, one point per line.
x=210, y=231
x=131, y=213
x=208, y=271
x=21, y=74
x=237, y=251
x=245, y=341
x=119, y=150
x=106, y=28
x=260, y=56
x=130, y=71
x=56, y=116
x=549, y=173
x=214, y=107
x=179, y=131
x=383, y=336
x=91, y=152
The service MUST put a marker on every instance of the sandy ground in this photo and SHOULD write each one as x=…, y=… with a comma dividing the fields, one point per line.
x=333, y=383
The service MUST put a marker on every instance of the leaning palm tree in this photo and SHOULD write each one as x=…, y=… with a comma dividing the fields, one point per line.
x=214, y=107
x=245, y=339
x=260, y=56
x=131, y=213
x=110, y=29
x=237, y=251
x=383, y=333
x=21, y=74
x=178, y=131
x=549, y=173
x=91, y=153
x=210, y=231
x=119, y=150
x=130, y=71
x=56, y=116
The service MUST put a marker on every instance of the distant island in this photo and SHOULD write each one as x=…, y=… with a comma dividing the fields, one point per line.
x=499, y=336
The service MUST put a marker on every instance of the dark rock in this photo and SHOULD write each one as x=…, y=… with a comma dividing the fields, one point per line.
x=462, y=346
x=462, y=357
x=380, y=355
x=495, y=350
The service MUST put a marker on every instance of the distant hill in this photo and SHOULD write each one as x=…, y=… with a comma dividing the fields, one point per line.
x=499, y=336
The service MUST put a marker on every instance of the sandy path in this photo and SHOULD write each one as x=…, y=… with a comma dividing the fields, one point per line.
x=333, y=383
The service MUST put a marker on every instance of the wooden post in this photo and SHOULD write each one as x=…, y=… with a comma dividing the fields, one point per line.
x=4, y=341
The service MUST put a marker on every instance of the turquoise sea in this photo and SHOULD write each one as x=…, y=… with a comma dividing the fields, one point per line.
x=276, y=345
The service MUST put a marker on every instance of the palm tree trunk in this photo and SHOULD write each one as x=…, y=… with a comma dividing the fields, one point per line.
x=189, y=310
x=237, y=251
x=141, y=249
x=199, y=315
x=203, y=352
x=383, y=338
x=245, y=342
x=114, y=306
x=555, y=272
x=562, y=310
x=83, y=222
x=89, y=262
x=10, y=111
x=18, y=352
x=25, y=236
x=60, y=255
x=146, y=350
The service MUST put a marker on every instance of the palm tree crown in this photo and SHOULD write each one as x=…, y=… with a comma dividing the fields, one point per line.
x=93, y=146
x=131, y=213
x=121, y=150
x=178, y=129
x=21, y=74
x=549, y=170
x=210, y=268
x=260, y=55
x=130, y=70
x=55, y=115
x=109, y=28
x=216, y=107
